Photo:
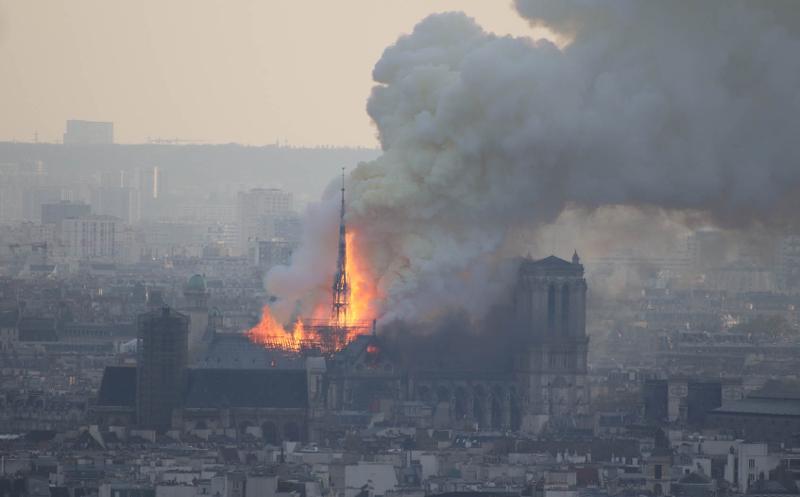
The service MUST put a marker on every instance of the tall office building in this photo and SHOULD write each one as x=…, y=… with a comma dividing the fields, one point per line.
x=89, y=133
x=161, y=366
x=258, y=211
x=55, y=213
x=34, y=197
x=149, y=184
x=93, y=238
x=117, y=201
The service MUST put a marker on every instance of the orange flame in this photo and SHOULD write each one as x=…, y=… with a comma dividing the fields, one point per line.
x=364, y=296
x=363, y=290
x=271, y=334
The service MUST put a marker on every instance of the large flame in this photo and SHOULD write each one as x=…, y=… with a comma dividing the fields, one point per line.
x=363, y=290
x=324, y=334
x=271, y=334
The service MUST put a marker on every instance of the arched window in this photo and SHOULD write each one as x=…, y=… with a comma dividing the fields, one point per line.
x=291, y=432
x=460, y=409
x=424, y=394
x=565, y=309
x=443, y=394
x=498, y=409
x=269, y=431
x=515, y=414
x=479, y=410
x=551, y=307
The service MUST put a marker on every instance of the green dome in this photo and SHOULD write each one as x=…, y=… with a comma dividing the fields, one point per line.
x=196, y=284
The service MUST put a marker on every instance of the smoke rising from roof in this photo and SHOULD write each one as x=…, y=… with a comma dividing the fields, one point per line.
x=680, y=106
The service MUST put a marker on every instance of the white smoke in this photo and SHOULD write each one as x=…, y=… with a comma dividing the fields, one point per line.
x=679, y=105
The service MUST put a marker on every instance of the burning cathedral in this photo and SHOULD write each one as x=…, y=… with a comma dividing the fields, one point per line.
x=541, y=385
x=326, y=376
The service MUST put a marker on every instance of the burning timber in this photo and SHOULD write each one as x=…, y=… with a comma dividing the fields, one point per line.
x=309, y=336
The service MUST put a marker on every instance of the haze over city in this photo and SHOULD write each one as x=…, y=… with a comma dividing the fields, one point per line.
x=243, y=71
x=534, y=248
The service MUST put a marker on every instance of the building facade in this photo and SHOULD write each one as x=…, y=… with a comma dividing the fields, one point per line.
x=92, y=237
x=547, y=387
x=89, y=133
x=56, y=213
x=238, y=387
x=550, y=306
x=258, y=211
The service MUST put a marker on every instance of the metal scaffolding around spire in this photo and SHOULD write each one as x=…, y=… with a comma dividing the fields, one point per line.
x=341, y=286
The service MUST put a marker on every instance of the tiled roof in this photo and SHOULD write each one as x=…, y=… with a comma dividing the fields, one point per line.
x=229, y=351
x=552, y=261
x=247, y=388
x=551, y=265
x=778, y=389
x=216, y=388
x=765, y=407
x=118, y=387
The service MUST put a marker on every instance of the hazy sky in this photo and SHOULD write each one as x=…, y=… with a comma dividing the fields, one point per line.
x=249, y=71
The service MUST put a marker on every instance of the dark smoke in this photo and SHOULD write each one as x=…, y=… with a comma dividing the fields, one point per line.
x=454, y=342
x=684, y=107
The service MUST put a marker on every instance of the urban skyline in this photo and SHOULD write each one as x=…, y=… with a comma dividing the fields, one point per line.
x=571, y=268
x=196, y=71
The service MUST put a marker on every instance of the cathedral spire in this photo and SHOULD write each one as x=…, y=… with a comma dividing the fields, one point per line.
x=341, y=287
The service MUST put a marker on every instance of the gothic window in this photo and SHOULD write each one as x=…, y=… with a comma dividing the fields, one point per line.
x=424, y=394
x=479, y=407
x=443, y=394
x=291, y=432
x=551, y=307
x=565, y=309
x=269, y=432
x=497, y=411
x=516, y=419
x=460, y=404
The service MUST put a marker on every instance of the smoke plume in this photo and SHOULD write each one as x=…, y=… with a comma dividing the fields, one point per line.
x=681, y=107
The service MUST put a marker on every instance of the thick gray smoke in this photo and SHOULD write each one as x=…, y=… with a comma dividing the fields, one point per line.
x=681, y=106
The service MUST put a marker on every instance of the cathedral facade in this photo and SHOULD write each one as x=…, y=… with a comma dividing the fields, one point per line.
x=237, y=388
x=546, y=388
x=550, y=369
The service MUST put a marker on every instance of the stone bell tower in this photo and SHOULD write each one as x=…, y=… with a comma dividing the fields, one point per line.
x=550, y=312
